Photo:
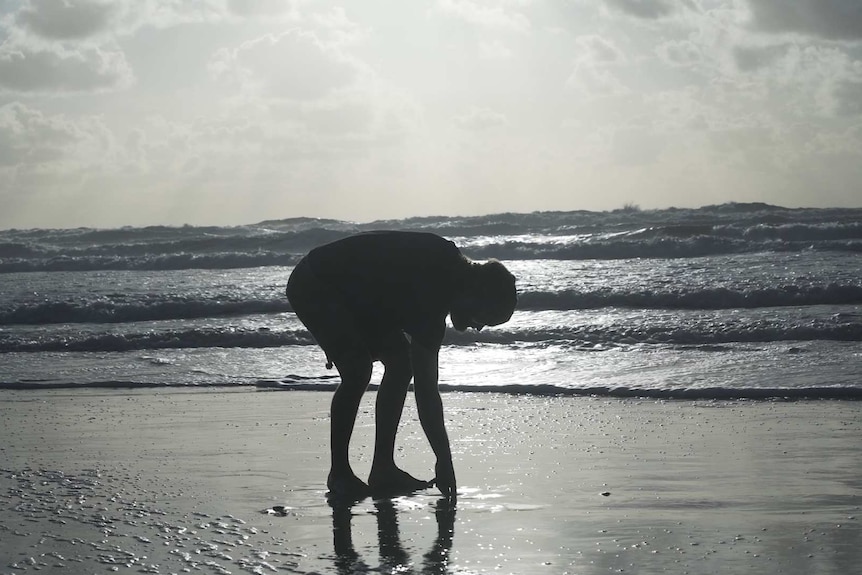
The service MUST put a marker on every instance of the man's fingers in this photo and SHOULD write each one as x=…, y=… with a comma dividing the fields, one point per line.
x=448, y=491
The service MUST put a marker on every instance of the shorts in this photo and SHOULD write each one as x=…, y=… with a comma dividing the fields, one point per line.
x=328, y=317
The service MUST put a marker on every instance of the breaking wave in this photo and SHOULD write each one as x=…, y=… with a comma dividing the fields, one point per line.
x=716, y=298
x=157, y=308
x=581, y=337
x=682, y=393
x=503, y=250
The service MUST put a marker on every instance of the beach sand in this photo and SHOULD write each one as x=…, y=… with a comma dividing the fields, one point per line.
x=218, y=481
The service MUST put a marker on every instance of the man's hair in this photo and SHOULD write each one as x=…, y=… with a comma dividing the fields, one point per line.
x=496, y=286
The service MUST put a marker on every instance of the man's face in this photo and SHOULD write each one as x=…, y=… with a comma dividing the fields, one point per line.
x=463, y=315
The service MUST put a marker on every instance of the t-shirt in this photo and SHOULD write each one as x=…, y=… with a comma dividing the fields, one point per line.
x=394, y=281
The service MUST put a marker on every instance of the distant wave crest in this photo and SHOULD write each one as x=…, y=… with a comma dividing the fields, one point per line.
x=578, y=235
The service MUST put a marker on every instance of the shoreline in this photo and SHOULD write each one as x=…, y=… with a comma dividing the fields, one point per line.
x=173, y=479
x=808, y=393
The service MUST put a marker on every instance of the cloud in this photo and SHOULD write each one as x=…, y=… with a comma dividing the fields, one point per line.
x=294, y=65
x=26, y=137
x=259, y=7
x=170, y=13
x=310, y=98
x=493, y=15
x=29, y=139
x=58, y=47
x=336, y=28
x=848, y=98
x=683, y=53
x=592, y=74
x=800, y=79
x=494, y=51
x=750, y=58
x=480, y=119
x=828, y=19
x=24, y=69
x=598, y=50
x=635, y=145
x=647, y=9
x=71, y=21
x=66, y=19
x=593, y=81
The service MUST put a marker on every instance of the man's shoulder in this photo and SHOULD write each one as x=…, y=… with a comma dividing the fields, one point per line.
x=406, y=236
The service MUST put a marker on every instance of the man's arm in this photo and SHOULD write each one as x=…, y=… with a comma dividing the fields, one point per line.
x=430, y=408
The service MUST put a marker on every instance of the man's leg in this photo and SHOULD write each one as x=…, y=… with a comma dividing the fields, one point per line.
x=324, y=314
x=385, y=476
x=355, y=370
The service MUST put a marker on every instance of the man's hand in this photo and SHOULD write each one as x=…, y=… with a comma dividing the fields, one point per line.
x=445, y=479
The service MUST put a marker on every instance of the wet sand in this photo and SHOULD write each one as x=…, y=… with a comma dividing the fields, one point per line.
x=232, y=481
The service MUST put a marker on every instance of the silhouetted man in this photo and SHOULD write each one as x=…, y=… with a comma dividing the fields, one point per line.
x=384, y=296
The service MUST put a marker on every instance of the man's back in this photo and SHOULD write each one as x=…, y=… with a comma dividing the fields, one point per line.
x=394, y=280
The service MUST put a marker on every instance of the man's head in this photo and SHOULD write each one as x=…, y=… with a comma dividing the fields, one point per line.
x=489, y=297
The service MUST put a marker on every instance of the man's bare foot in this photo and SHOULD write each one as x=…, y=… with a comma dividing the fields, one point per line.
x=346, y=487
x=395, y=482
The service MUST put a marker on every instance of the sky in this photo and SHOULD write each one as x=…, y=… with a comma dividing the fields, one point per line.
x=141, y=112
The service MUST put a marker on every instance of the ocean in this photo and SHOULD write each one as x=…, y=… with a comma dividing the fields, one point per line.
x=734, y=301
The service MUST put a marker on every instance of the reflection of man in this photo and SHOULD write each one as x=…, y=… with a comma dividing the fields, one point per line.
x=393, y=556
x=385, y=296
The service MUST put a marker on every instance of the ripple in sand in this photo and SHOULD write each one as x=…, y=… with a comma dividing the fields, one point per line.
x=80, y=521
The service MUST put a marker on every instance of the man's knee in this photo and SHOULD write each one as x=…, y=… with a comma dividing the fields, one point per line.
x=354, y=366
x=397, y=364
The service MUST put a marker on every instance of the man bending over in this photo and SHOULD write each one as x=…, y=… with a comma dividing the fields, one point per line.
x=384, y=296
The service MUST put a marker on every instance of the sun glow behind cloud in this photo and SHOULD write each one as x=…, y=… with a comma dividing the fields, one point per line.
x=141, y=112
